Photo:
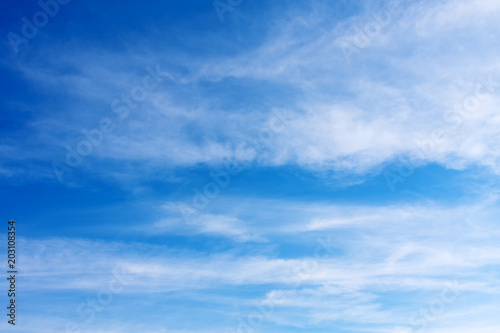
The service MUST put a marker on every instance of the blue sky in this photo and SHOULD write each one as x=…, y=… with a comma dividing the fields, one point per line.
x=252, y=166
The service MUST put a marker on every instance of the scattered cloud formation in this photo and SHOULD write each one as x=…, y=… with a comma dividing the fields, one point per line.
x=174, y=172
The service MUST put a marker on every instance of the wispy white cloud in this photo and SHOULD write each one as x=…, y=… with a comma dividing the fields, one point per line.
x=427, y=82
x=353, y=117
x=187, y=220
x=371, y=253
